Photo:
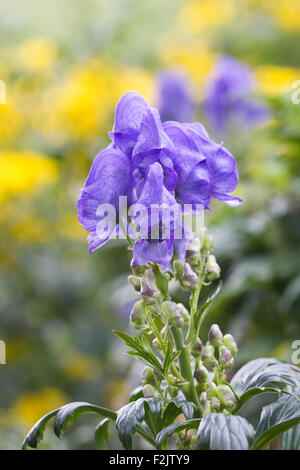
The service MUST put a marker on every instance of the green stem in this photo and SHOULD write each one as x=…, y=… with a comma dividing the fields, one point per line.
x=185, y=366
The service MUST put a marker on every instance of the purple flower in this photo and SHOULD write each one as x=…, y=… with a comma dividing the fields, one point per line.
x=156, y=166
x=228, y=96
x=175, y=97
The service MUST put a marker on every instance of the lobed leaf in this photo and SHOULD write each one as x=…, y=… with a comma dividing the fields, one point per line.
x=164, y=434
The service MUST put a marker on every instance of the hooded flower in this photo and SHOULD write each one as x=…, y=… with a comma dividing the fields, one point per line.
x=160, y=167
x=228, y=96
x=175, y=99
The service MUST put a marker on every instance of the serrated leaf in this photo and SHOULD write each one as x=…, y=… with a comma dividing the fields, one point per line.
x=132, y=414
x=218, y=431
x=263, y=375
x=164, y=434
x=69, y=413
x=276, y=419
x=290, y=440
x=36, y=433
x=102, y=434
x=175, y=408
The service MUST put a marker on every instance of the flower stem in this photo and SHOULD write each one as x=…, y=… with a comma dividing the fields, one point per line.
x=185, y=366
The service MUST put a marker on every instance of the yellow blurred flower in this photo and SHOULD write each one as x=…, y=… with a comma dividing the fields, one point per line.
x=69, y=227
x=25, y=171
x=31, y=407
x=202, y=15
x=36, y=54
x=286, y=13
x=276, y=80
x=80, y=366
x=11, y=120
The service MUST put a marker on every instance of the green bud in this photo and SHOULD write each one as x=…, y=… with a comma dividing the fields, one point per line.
x=137, y=269
x=208, y=356
x=202, y=387
x=173, y=313
x=201, y=374
x=135, y=282
x=147, y=376
x=185, y=313
x=225, y=357
x=138, y=315
x=192, y=254
x=149, y=391
x=147, y=292
x=226, y=397
x=203, y=398
x=230, y=343
x=215, y=336
x=212, y=269
x=197, y=347
x=208, y=243
x=173, y=391
x=212, y=390
x=215, y=404
x=178, y=267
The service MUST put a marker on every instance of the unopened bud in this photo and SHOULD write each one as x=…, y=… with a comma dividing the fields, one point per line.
x=226, y=397
x=149, y=391
x=173, y=313
x=212, y=390
x=230, y=343
x=192, y=254
x=135, y=282
x=215, y=336
x=203, y=398
x=137, y=269
x=173, y=391
x=201, y=374
x=215, y=404
x=147, y=292
x=138, y=315
x=212, y=269
x=185, y=313
x=178, y=267
x=208, y=243
x=197, y=347
x=225, y=357
x=189, y=277
x=147, y=376
x=208, y=356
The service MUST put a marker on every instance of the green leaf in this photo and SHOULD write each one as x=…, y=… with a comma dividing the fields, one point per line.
x=276, y=419
x=175, y=408
x=218, y=431
x=132, y=414
x=261, y=376
x=164, y=434
x=136, y=393
x=290, y=440
x=69, y=413
x=36, y=433
x=201, y=314
x=102, y=434
x=160, y=280
x=141, y=350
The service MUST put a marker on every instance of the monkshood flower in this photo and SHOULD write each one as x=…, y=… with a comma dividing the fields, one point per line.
x=159, y=169
x=228, y=96
x=175, y=97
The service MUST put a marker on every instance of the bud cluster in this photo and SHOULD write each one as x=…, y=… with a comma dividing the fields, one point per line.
x=212, y=362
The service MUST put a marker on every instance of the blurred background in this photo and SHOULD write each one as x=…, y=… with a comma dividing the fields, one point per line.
x=65, y=65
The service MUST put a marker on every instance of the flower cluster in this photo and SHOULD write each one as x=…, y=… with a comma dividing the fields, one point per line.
x=228, y=96
x=150, y=163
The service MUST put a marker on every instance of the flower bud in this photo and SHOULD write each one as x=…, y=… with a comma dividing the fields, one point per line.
x=138, y=315
x=185, y=313
x=147, y=292
x=226, y=397
x=230, y=343
x=178, y=267
x=192, y=254
x=208, y=356
x=212, y=390
x=225, y=357
x=215, y=336
x=137, y=269
x=197, y=347
x=173, y=391
x=135, y=282
x=201, y=374
x=173, y=313
x=215, y=404
x=208, y=243
x=203, y=398
x=147, y=376
x=189, y=277
x=149, y=391
x=212, y=269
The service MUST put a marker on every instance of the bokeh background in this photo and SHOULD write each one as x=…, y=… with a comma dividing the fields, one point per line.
x=65, y=65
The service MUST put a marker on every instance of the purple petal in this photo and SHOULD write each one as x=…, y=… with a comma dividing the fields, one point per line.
x=155, y=251
x=129, y=115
